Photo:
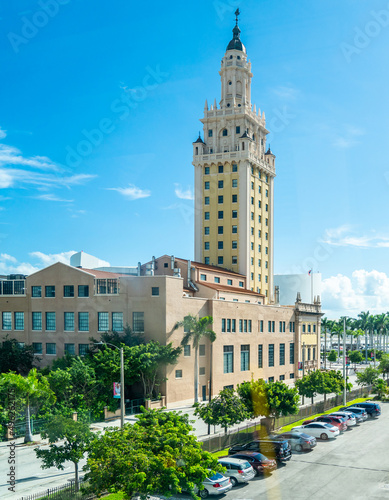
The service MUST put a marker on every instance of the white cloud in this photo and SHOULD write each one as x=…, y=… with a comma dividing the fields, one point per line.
x=182, y=193
x=10, y=265
x=5, y=256
x=347, y=138
x=3, y=133
x=52, y=197
x=132, y=192
x=12, y=156
x=48, y=259
x=286, y=92
x=344, y=236
x=363, y=291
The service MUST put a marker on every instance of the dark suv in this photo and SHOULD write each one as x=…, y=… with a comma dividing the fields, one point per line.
x=279, y=450
x=372, y=409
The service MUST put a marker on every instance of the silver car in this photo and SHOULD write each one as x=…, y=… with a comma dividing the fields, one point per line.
x=239, y=471
x=215, y=485
x=350, y=417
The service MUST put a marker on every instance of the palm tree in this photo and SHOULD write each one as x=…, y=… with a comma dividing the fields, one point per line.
x=364, y=318
x=371, y=327
x=325, y=324
x=194, y=330
x=380, y=324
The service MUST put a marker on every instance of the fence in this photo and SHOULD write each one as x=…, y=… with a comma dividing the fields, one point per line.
x=249, y=432
x=64, y=492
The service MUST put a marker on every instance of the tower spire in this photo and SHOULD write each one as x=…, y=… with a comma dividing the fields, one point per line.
x=237, y=13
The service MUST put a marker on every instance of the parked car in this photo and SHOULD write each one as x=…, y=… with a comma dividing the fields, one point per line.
x=356, y=410
x=298, y=441
x=258, y=461
x=351, y=419
x=215, y=485
x=319, y=430
x=239, y=471
x=338, y=422
x=274, y=449
x=372, y=409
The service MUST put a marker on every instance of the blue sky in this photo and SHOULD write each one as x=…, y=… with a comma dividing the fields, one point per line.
x=100, y=102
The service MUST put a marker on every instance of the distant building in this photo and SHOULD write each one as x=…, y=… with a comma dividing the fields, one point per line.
x=289, y=285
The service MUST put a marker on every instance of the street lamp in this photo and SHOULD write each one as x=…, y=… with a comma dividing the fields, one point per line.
x=303, y=358
x=344, y=361
x=121, y=379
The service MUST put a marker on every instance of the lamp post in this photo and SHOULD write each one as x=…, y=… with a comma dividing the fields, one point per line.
x=303, y=356
x=344, y=361
x=121, y=379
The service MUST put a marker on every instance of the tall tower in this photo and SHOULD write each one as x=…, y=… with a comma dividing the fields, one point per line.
x=234, y=178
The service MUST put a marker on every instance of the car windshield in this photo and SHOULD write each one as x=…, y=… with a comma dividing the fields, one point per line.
x=216, y=477
x=329, y=426
x=305, y=436
x=245, y=465
x=259, y=456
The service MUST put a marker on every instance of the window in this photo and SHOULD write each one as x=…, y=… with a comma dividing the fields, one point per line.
x=260, y=356
x=203, y=277
x=267, y=193
x=225, y=132
x=240, y=325
x=259, y=277
x=291, y=375
x=202, y=370
x=282, y=377
x=244, y=358
x=178, y=373
x=259, y=204
x=216, y=279
x=220, y=230
x=206, y=170
x=234, y=198
x=220, y=169
x=138, y=322
x=187, y=350
x=233, y=325
x=280, y=326
x=206, y=260
x=267, y=207
x=261, y=325
x=234, y=259
x=51, y=348
x=234, y=183
x=314, y=328
x=220, y=214
x=228, y=359
x=245, y=326
x=252, y=231
x=309, y=328
x=50, y=291
x=220, y=260
x=234, y=229
x=267, y=178
x=271, y=355
x=83, y=322
x=83, y=290
x=266, y=250
x=37, y=321
x=7, y=321
x=249, y=322
x=304, y=328
x=202, y=350
x=70, y=349
x=220, y=245
x=206, y=215
x=309, y=353
x=241, y=284
x=223, y=325
x=229, y=282
x=234, y=168
x=206, y=185
x=117, y=321
x=206, y=200
x=155, y=291
x=69, y=321
x=313, y=353
x=68, y=291
x=237, y=130
x=234, y=214
x=37, y=347
x=83, y=349
x=210, y=133
x=206, y=230
x=50, y=321
x=269, y=326
x=259, y=189
x=220, y=184
x=36, y=291
x=252, y=274
x=267, y=222
x=19, y=320
x=259, y=218
x=103, y=321
x=252, y=200
x=220, y=199
x=282, y=354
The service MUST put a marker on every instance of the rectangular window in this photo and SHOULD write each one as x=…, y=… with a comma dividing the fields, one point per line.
x=37, y=347
x=229, y=326
x=282, y=354
x=291, y=375
x=223, y=325
x=234, y=214
x=178, y=373
x=68, y=291
x=117, y=322
x=103, y=321
x=206, y=200
x=206, y=215
x=309, y=328
x=7, y=321
x=240, y=325
x=83, y=349
x=303, y=327
x=260, y=356
x=138, y=322
x=36, y=291
x=313, y=353
x=220, y=184
x=291, y=353
x=234, y=167
x=203, y=277
x=252, y=215
x=249, y=324
x=234, y=229
x=269, y=326
x=70, y=349
x=271, y=355
x=155, y=291
x=252, y=200
x=216, y=279
x=314, y=328
x=280, y=326
x=282, y=377
x=220, y=260
x=83, y=322
x=233, y=327
x=309, y=354
x=241, y=284
x=259, y=204
x=220, y=199
x=273, y=324
x=206, y=260
x=234, y=198
x=37, y=321
x=51, y=348
x=228, y=359
x=19, y=321
x=261, y=325
x=237, y=130
x=187, y=350
x=229, y=282
x=69, y=321
x=83, y=290
x=50, y=291
x=206, y=230
x=202, y=370
x=220, y=169
x=220, y=214
x=206, y=185
x=206, y=170
x=234, y=259
x=202, y=350
x=210, y=133
x=50, y=321
x=234, y=183
x=220, y=230
x=244, y=358
x=267, y=208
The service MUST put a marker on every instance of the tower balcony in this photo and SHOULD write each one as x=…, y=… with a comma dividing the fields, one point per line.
x=236, y=156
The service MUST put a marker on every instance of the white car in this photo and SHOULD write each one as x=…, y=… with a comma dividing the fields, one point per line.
x=350, y=418
x=239, y=471
x=319, y=430
x=215, y=485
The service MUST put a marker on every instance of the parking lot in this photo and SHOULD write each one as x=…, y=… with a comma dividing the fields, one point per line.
x=353, y=466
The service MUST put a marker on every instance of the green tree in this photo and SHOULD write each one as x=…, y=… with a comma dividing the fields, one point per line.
x=254, y=396
x=332, y=357
x=194, y=330
x=157, y=454
x=16, y=358
x=127, y=337
x=282, y=400
x=368, y=376
x=384, y=365
x=75, y=438
x=33, y=389
x=355, y=357
x=311, y=384
x=227, y=409
x=364, y=322
x=381, y=388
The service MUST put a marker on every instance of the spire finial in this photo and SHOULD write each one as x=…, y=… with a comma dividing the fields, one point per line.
x=237, y=13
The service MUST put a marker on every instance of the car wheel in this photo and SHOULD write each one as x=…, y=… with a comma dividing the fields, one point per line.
x=234, y=481
x=256, y=473
x=323, y=436
x=204, y=493
x=299, y=447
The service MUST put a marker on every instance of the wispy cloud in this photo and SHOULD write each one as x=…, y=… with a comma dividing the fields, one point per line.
x=132, y=192
x=183, y=194
x=287, y=93
x=3, y=133
x=348, y=137
x=48, y=259
x=52, y=197
x=5, y=256
x=344, y=236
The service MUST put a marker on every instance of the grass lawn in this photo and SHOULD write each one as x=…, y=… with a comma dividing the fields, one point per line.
x=114, y=496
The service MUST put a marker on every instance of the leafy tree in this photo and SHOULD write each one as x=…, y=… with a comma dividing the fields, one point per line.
x=332, y=357
x=227, y=409
x=15, y=358
x=194, y=330
x=311, y=384
x=355, y=357
x=282, y=400
x=157, y=454
x=127, y=337
x=384, y=365
x=254, y=396
x=33, y=389
x=368, y=376
x=76, y=437
x=381, y=388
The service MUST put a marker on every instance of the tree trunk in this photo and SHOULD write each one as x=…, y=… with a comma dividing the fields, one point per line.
x=338, y=345
x=76, y=475
x=196, y=375
x=28, y=434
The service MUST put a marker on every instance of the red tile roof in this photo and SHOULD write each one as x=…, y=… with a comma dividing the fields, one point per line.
x=227, y=288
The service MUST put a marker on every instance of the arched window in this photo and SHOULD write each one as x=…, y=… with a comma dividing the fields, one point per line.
x=225, y=132
x=197, y=150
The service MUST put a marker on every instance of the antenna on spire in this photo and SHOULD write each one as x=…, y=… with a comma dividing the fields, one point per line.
x=237, y=13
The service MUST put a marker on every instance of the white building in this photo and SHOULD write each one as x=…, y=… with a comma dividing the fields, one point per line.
x=308, y=285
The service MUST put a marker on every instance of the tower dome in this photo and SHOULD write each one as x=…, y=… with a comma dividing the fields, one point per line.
x=235, y=43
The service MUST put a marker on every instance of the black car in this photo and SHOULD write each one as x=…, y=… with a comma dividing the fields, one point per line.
x=372, y=409
x=279, y=450
x=298, y=441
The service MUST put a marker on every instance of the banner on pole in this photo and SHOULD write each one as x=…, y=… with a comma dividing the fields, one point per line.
x=116, y=390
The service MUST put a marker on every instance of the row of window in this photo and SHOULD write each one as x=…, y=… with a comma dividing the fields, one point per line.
x=51, y=348
x=228, y=357
x=220, y=230
x=68, y=291
x=220, y=245
x=201, y=350
x=12, y=287
x=220, y=199
x=229, y=325
x=309, y=328
x=220, y=215
x=220, y=168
